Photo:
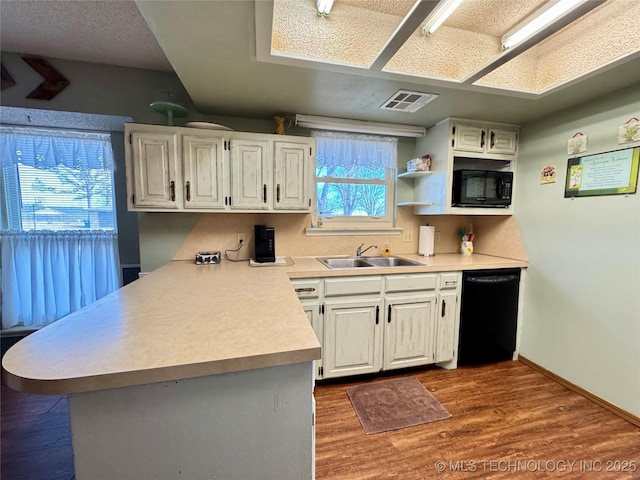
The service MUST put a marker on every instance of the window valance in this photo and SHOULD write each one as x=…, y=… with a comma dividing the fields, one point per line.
x=42, y=148
x=349, y=150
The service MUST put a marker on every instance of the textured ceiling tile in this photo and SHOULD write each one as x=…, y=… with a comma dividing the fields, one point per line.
x=450, y=53
x=571, y=52
x=348, y=36
x=491, y=17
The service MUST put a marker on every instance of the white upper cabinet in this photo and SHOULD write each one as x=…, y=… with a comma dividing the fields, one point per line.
x=250, y=179
x=484, y=138
x=203, y=161
x=189, y=169
x=155, y=159
x=292, y=162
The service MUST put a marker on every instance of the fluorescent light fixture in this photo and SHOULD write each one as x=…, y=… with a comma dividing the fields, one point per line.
x=541, y=18
x=359, y=126
x=324, y=7
x=439, y=15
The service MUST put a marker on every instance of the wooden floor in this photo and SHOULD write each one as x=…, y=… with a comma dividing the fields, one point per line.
x=508, y=421
x=501, y=414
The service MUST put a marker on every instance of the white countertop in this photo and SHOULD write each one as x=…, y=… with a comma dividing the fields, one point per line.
x=186, y=320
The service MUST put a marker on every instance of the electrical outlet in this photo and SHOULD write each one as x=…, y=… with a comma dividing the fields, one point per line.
x=407, y=236
x=241, y=240
x=437, y=237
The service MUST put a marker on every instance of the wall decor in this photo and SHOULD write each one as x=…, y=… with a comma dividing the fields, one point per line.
x=54, y=81
x=630, y=131
x=608, y=173
x=548, y=174
x=577, y=144
x=7, y=80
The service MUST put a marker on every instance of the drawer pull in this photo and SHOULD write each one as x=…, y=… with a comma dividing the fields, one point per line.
x=305, y=290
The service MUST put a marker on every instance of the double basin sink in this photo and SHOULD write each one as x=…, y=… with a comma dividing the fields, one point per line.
x=366, y=262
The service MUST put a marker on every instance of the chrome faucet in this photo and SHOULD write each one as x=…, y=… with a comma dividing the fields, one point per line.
x=359, y=250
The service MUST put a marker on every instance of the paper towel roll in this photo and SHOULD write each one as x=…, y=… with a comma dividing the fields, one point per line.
x=427, y=241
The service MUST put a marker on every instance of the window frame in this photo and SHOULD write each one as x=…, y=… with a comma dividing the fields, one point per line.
x=360, y=222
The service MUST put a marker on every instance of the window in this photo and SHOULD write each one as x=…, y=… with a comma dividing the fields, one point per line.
x=355, y=179
x=58, y=238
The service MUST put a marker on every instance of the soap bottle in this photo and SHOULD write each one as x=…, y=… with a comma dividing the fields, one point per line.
x=386, y=251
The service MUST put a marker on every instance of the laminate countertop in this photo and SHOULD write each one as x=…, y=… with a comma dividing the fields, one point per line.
x=185, y=320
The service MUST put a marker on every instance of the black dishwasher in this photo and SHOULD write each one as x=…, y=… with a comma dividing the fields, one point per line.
x=488, y=315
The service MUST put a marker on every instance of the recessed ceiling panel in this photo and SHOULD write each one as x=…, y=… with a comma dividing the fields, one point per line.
x=353, y=33
x=572, y=52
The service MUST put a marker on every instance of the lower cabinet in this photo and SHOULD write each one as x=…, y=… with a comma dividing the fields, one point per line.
x=409, y=331
x=366, y=324
x=352, y=337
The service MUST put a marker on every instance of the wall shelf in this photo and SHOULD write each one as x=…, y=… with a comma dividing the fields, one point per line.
x=417, y=173
x=414, y=204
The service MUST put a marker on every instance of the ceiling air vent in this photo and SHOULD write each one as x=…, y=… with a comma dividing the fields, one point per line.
x=406, y=101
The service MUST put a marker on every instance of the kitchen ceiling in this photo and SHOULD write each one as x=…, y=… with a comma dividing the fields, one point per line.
x=245, y=59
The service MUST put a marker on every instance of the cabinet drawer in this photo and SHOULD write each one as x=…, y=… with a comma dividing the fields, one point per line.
x=449, y=281
x=307, y=288
x=352, y=285
x=409, y=283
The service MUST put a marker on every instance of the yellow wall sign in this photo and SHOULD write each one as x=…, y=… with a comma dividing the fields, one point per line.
x=608, y=173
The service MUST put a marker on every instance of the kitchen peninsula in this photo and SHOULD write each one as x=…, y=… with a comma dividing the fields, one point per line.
x=194, y=371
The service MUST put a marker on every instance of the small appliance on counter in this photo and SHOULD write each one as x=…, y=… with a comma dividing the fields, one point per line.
x=426, y=242
x=265, y=244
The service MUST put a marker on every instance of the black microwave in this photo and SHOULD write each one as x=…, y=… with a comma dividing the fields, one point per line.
x=482, y=188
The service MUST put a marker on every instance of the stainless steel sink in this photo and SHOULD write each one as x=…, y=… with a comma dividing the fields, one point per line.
x=391, y=262
x=345, y=262
x=366, y=262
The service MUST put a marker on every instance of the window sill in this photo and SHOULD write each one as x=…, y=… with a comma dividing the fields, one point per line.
x=328, y=231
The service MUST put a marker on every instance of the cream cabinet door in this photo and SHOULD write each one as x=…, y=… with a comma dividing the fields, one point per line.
x=409, y=332
x=250, y=175
x=203, y=182
x=352, y=337
x=291, y=175
x=155, y=169
x=468, y=137
x=502, y=141
x=312, y=309
x=445, y=326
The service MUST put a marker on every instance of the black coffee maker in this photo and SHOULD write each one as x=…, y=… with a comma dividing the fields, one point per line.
x=265, y=244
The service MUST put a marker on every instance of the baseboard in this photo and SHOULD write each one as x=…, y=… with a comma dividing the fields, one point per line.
x=629, y=417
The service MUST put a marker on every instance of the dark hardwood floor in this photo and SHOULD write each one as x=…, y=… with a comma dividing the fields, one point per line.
x=507, y=421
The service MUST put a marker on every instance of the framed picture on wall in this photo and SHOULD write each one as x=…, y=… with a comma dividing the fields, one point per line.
x=608, y=173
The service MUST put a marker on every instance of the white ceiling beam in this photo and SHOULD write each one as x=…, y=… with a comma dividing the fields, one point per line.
x=410, y=23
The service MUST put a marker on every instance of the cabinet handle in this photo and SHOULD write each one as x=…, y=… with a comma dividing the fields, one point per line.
x=482, y=138
x=278, y=193
x=264, y=193
x=492, y=140
x=389, y=315
x=172, y=190
x=188, y=191
x=377, y=314
x=307, y=289
x=444, y=308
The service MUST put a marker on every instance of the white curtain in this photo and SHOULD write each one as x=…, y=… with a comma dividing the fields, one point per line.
x=349, y=150
x=47, y=275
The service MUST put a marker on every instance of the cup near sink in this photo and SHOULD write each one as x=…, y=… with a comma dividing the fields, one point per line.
x=366, y=262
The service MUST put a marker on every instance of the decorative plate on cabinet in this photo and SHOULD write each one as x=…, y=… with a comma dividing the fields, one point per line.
x=210, y=126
